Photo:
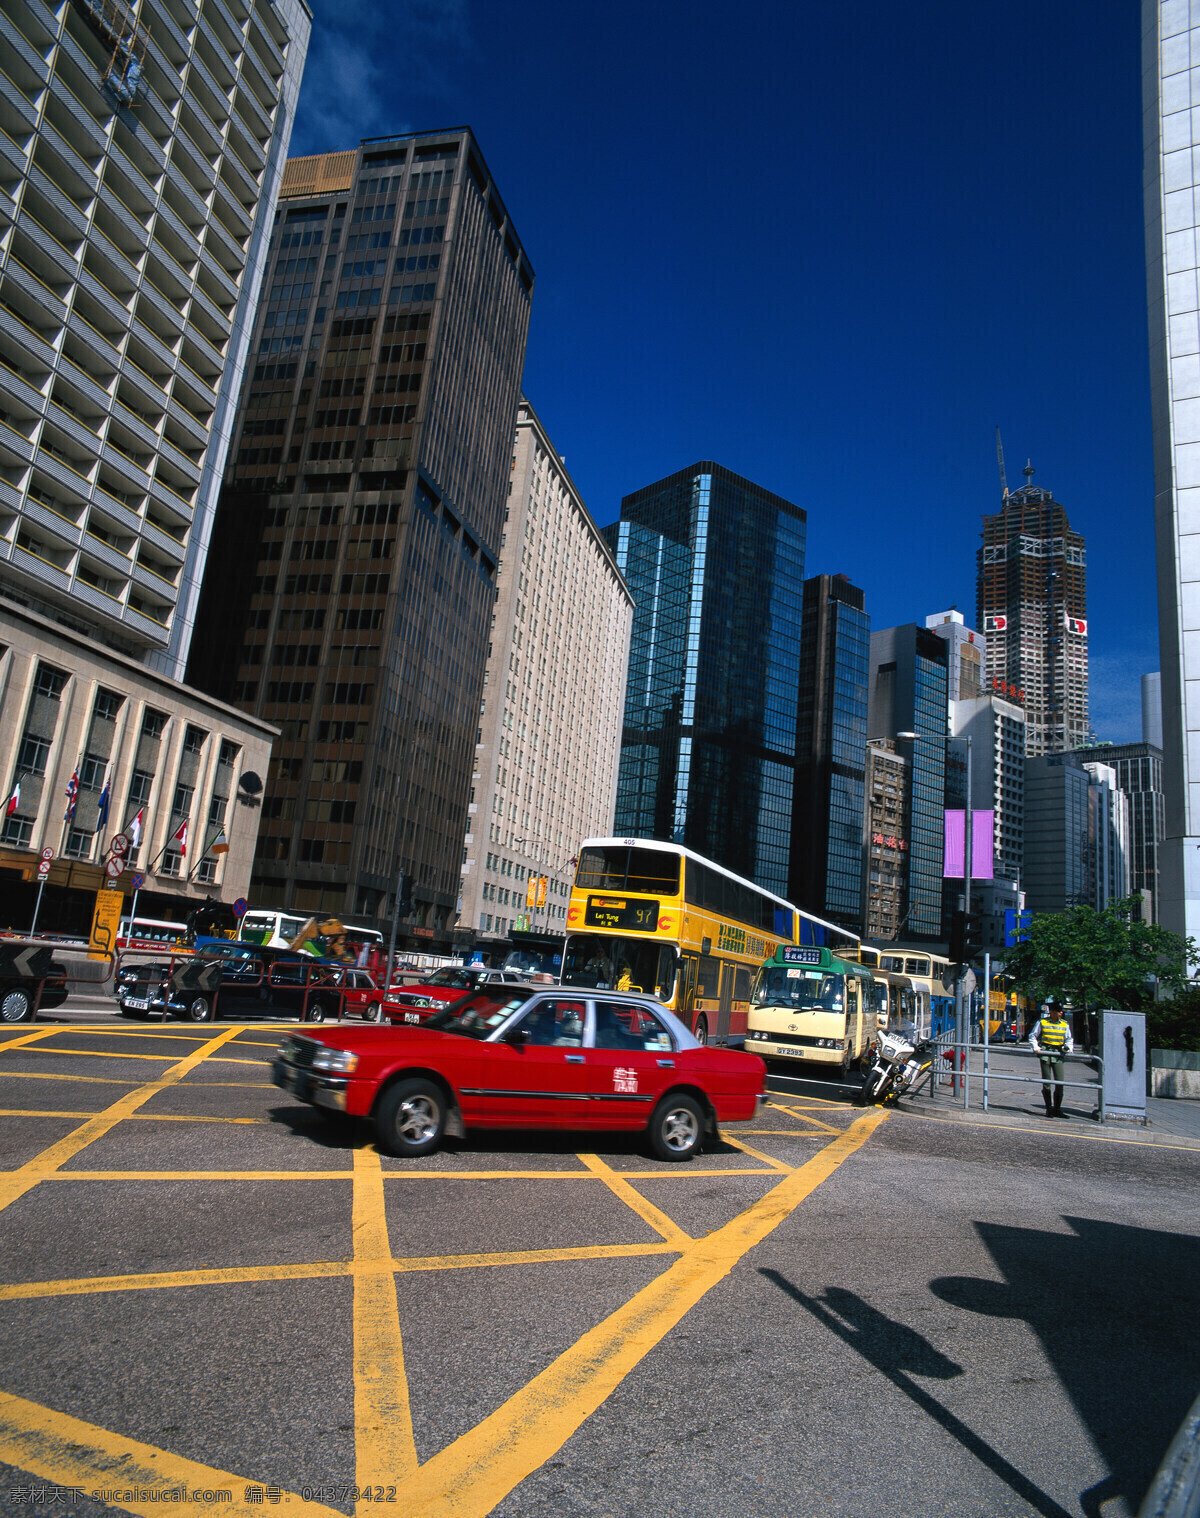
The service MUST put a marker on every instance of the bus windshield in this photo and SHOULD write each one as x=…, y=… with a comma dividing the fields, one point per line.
x=803, y=990
x=654, y=872
x=610, y=963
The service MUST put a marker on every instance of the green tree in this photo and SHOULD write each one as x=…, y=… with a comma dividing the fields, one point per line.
x=1100, y=959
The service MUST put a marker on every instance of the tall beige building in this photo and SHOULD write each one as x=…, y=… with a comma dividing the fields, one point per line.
x=550, y=725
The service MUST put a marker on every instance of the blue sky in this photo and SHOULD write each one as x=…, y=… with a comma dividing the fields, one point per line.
x=829, y=246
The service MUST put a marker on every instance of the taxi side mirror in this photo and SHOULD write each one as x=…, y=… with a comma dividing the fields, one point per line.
x=516, y=1036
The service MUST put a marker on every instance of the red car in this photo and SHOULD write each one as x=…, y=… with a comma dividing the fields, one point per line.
x=418, y=1001
x=362, y=997
x=528, y=1057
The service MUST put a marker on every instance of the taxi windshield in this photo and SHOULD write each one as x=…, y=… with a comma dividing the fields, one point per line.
x=477, y=1016
x=804, y=990
x=457, y=980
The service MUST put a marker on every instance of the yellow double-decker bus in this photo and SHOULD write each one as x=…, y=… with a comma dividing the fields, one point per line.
x=656, y=918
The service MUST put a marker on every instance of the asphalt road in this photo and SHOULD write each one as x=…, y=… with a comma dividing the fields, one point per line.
x=212, y=1287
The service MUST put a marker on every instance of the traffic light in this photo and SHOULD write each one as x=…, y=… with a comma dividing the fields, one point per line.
x=966, y=937
x=404, y=906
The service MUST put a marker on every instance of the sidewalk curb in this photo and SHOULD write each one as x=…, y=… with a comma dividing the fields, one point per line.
x=1080, y=1127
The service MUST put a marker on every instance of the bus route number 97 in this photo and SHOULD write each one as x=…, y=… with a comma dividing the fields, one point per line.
x=616, y=912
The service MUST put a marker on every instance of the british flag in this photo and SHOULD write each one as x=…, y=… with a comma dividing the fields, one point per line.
x=72, y=796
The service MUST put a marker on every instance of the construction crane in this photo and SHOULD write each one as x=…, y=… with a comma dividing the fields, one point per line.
x=1000, y=461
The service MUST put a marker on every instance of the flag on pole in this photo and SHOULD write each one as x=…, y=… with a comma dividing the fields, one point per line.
x=102, y=805
x=72, y=794
x=14, y=801
x=220, y=844
x=135, y=828
x=179, y=836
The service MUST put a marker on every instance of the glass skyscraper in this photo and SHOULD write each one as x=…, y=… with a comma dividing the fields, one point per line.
x=831, y=737
x=909, y=695
x=715, y=565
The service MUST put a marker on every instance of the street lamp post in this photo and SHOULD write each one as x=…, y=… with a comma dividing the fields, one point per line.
x=960, y=994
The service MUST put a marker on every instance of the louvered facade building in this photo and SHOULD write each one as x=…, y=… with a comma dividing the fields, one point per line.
x=140, y=158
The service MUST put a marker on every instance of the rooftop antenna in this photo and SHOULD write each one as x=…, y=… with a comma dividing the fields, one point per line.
x=1000, y=461
x=1029, y=471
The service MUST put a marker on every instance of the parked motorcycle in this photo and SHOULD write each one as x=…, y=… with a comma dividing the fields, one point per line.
x=896, y=1066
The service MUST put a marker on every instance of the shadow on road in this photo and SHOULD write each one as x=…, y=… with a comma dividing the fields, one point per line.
x=1115, y=1308
x=898, y=1352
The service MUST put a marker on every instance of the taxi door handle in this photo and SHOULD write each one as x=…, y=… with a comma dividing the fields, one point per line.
x=666, y=1064
x=574, y=1059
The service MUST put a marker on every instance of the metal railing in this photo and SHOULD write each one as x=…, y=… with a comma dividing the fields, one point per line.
x=953, y=1065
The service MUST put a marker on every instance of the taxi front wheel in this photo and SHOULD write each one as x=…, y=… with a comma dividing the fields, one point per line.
x=411, y=1118
x=677, y=1127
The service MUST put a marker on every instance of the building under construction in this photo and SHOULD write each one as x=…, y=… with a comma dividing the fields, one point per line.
x=1031, y=591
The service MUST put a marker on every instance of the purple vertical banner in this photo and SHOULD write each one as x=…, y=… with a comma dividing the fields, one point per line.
x=982, y=845
x=983, y=829
x=955, y=833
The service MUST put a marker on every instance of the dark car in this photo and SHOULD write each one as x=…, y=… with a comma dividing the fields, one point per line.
x=239, y=980
x=17, y=994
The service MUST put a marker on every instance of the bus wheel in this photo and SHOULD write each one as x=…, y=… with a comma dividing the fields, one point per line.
x=847, y=1065
x=702, y=1028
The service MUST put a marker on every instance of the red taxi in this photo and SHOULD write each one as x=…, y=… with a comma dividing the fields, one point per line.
x=519, y=1056
x=417, y=1002
x=362, y=996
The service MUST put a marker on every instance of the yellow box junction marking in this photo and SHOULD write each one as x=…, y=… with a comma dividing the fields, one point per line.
x=16, y=1183
x=645, y=1210
x=475, y=1472
x=383, y=1435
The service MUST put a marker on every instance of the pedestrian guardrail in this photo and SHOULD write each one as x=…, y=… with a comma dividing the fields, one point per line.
x=958, y=1062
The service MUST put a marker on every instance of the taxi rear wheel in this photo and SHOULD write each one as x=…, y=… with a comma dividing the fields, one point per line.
x=374, y=1012
x=411, y=1118
x=677, y=1127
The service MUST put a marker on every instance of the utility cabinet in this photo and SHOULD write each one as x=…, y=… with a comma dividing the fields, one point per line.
x=1123, y=1049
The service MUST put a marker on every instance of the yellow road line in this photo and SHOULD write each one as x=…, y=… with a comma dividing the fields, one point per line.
x=472, y=1475
x=44, y=1075
x=17, y=1182
x=645, y=1210
x=385, y=1452
x=68, y=1452
x=28, y=1038
x=86, y=1286
x=755, y=1154
x=166, y=1058
x=144, y=1117
x=388, y=1175
x=805, y=1118
x=791, y=1133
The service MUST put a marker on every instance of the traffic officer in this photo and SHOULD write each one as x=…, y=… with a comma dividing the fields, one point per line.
x=1051, y=1038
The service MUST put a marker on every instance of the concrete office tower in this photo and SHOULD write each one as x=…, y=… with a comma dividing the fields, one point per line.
x=1139, y=775
x=997, y=731
x=140, y=208
x=715, y=565
x=1152, y=723
x=362, y=520
x=885, y=880
x=1031, y=591
x=1113, y=832
x=826, y=875
x=1171, y=84
x=908, y=681
x=1076, y=834
x=965, y=671
x=550, y=734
